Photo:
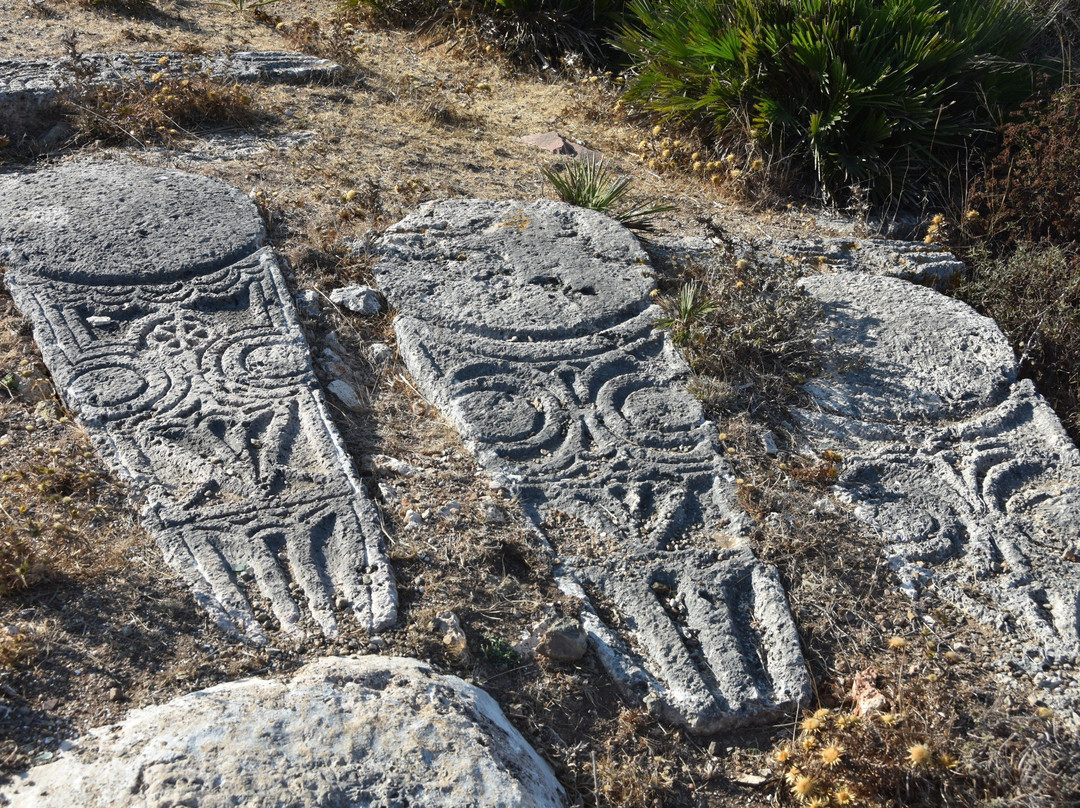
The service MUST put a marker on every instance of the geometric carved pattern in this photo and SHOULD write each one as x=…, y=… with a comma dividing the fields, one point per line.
x=531, y=327
x=173, y=338
x=966, y=472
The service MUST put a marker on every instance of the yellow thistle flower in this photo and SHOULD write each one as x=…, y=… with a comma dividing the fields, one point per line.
x=938, y=219
x=972, y=215
x=695, y=156
x=822, y=713
x=803, y=787
x=947, y=761
x=807, y=743
x=665, y=153
x=792, y=774
x=818, y=802
x=918, y=754
x=843, y=796
x=782, y=755
x=157, y=77
x=831, y=754
x=889, y=719
x=656, y=130
x=729, y=158
x=735, y=173
x=697, y=166
x=810, y=724
x=758, y=164
x=715, y=179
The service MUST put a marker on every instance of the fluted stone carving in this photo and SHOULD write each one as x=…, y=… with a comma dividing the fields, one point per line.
x=169, y=331
x=531, y=327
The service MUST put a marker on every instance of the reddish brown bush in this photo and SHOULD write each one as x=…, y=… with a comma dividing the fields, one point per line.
x=1031, y=188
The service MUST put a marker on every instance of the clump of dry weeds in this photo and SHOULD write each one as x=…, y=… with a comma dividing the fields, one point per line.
x=746, y=329
x=170, y=104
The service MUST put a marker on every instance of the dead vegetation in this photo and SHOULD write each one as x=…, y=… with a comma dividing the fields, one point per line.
x=93, y=624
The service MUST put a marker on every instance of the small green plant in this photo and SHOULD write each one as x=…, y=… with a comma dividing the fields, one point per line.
x=498, y=651
x=685, y=313
x=586, y=182
x=747, y=331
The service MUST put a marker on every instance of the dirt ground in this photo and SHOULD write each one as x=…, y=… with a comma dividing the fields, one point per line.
x=103, y=626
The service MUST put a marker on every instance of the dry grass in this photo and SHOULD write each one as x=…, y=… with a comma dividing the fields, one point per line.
x=172, y=104
x=106, y=627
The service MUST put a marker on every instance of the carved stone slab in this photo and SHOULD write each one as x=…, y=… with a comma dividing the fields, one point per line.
x=169, y=331
x=966, y=472
x=531, y=327
x=371, y=731
x=29, y=88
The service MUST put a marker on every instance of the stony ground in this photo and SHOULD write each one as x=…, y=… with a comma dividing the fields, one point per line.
x=104, y=626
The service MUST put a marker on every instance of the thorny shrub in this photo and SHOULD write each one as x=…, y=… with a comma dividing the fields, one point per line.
x=164, y=106
x=908, y=741
x=747, y=331
x=536, y=32
x=337, y=39
x=1031, y=187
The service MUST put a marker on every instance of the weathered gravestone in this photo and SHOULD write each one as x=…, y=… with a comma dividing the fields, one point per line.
x=371, y=731
x=964, y=470
x=169, y=331
x=31, y=89
x=531, y=326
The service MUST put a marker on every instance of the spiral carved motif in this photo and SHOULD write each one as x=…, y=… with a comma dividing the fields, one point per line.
x=531, y=327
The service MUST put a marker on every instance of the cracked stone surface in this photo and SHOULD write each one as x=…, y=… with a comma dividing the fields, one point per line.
x=29, y=87
x=340, y=732
x=965, y=471
x=531, y=327
x=927, y=264
x=170, y=333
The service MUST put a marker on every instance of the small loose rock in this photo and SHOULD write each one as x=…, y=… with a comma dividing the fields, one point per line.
x=307, y=301
x=344, y=393
x=358, y=299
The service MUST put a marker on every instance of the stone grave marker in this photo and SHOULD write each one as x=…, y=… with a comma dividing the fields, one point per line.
x=169, y=332
x=964, y=470
x=531, y=327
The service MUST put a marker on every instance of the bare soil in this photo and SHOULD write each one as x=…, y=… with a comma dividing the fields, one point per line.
x=102, y=625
